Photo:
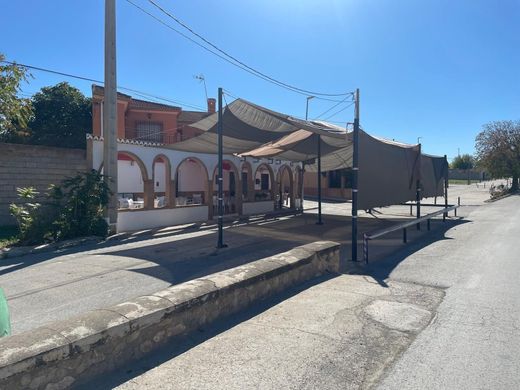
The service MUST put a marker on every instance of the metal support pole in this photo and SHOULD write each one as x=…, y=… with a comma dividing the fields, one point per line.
x=302, y=178
x=418, y=190
x=320, y=222
x=355, y=171
x=220, y=243
x=110, y=115
x=445, y=188
x=365, y=248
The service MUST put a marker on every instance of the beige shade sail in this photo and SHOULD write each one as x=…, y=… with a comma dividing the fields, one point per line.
x=388, y=171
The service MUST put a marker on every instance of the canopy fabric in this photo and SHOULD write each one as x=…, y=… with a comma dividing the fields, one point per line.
x=434, y=170
x=247, y=126
x=388, y=170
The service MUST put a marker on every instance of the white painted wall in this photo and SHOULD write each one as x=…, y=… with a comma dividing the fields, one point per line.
x=129, y=177
x=148, y=153
x=149, y=219
x=191, y=176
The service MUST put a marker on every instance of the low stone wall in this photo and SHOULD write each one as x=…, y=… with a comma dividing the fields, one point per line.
x=71, y=352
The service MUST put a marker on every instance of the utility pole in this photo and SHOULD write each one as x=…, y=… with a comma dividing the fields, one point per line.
x=355, y=171
x=418, y=187
x=110, y=115
x=302, y=177
x=220, y=243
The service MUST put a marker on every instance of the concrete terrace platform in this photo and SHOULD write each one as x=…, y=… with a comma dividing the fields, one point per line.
x=47, y=287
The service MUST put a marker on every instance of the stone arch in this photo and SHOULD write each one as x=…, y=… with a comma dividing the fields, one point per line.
x=285, y=191
x=187, y=190
x=248, y=186
x=132, y=194
x=231, y=195
x=163, y=189
x=260, y=194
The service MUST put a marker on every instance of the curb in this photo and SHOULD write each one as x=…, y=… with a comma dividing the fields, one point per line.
x=72, y=352
x=17, y=251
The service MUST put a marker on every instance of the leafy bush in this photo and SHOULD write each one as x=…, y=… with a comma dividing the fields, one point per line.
x=29, y=216
x=80, y=200
x=73, y=209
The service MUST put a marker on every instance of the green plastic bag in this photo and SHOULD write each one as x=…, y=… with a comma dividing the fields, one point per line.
x=5, y=323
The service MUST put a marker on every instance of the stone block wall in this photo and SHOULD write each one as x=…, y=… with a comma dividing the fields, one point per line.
x=36, y=166
x=71, y=352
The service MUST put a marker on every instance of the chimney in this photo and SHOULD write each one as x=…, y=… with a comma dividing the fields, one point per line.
x=211, y=105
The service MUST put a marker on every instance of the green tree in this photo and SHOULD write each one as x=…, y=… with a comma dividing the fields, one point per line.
x=498, y=149
x=466, y=161
x=62, y=117
x=14, y=111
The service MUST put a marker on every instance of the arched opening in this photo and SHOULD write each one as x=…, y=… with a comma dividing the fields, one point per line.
x=285, y=195
x=131, y=178
x=191, y=183
x=161, y=181
x=230, y=188
x=264, y=183
x=246, y=178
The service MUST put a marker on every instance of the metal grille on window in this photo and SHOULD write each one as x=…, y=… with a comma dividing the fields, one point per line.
x=149, y=131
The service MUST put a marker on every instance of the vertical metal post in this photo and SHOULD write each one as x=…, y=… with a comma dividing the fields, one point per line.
x=365, y=248
x=302, y=178
x=110, y=115
x=320, y=222
x=418, y=190
x=444, y=215
x=355, y=171
x=220, y=243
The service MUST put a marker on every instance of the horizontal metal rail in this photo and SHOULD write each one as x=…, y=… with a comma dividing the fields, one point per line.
x=404, y=226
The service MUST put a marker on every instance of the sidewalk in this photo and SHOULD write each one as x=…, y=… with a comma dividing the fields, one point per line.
x=336, y=333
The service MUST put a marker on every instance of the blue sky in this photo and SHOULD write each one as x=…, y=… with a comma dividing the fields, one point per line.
x=431, y=69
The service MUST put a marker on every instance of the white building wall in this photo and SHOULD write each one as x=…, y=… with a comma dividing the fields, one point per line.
x=149, y=219
x=129, y=177
x=191, y=176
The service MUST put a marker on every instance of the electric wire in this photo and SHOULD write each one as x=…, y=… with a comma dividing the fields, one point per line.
x=337, y=112
x=145, y=94
x=331, y=108
x=227, y=57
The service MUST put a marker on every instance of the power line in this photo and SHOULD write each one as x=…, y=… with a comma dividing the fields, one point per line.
x=224, y=55
x=331, y=108
x=337, y=112
x=145, y=94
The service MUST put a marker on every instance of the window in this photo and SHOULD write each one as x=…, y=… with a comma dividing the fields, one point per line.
x=149, y=131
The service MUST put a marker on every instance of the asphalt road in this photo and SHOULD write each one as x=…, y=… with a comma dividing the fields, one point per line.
x=445, y=315
x=474, y=341
x=47, y=287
